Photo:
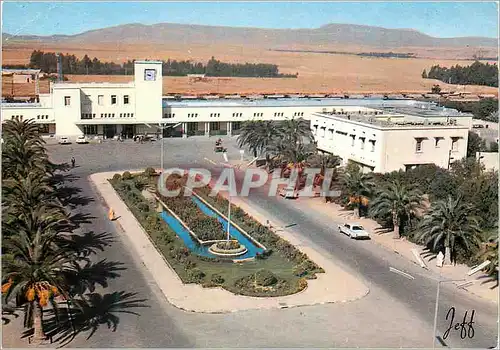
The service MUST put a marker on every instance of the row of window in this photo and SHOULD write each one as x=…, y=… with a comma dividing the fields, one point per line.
x=437, y=143
x=90, y=129
x=106, y=115
x=100, y=100
x=216, y=115
x=362, y=139
x=43, y=116
x=298, y=114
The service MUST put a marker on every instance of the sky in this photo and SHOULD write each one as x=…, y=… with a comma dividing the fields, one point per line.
x=439, y=19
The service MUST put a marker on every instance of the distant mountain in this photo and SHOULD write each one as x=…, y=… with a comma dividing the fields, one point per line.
x=340, y=34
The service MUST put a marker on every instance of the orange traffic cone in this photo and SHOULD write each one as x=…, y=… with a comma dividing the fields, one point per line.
x=111, y=214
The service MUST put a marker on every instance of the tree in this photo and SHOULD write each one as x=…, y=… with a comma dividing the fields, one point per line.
x=258, y=136
x=296, y=131
x=398, y=201
x=357, y=185
x=494, y=146
x=436, y=89
x=448, y=224
x=489, y=251
x=475, y=144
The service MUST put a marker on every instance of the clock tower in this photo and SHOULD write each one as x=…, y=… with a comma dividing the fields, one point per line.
x=148, y=90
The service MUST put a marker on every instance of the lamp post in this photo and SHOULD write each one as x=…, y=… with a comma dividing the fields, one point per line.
x=162, y=127
x=228, y=195
x=439, y=281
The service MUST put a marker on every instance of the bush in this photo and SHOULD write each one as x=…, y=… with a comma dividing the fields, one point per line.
x=264, y=255
x=117, y=177
x=228, y=245
x=217, y=279
x=265, y=278
x=126, y=175
x=143, y=207
x=149, y=172
x=196, y=275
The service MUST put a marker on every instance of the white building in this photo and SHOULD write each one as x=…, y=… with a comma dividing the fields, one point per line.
x=105, y=110
x=387, y=142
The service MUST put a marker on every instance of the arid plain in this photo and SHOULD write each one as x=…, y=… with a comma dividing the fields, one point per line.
x=318, y=72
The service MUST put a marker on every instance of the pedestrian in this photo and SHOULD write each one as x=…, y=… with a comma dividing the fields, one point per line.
x=73, y=161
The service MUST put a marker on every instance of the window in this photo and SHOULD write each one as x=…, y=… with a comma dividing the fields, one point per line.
x=315, y=132
x=113, y=99
x=67, y=100
x=90, y=129
x=330, y=134
x=93, y=115
x=373, y=145
x=102, y=115
x=353, y=139
x=100, y=100
x=418, y=145
x=438, y=142
x=131, y=115
x=125, y=99
x=454, y=144
x=112, y=115
x=241, y=114
x=38, y=117
x=215, y=126
x=362, y=140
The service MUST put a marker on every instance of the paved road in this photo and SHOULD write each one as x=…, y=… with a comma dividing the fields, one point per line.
x=397, y=312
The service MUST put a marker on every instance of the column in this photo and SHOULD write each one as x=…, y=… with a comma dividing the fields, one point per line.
x=207, y=128
x=229, y=128
x=184, y=130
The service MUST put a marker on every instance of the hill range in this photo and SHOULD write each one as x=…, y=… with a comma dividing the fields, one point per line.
x=323, y=57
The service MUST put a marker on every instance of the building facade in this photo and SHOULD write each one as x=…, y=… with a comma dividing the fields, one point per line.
x=379, y=135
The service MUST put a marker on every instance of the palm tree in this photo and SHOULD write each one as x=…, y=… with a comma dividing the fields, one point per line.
x=447, y=224
x=23, y=150
x=357, y=185
x=34, y=267
x=489, y=251
x=397, y=200
x=294, y=131
x=258, y=136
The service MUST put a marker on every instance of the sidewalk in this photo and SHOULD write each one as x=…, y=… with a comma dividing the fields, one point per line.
x=404, y=247
x=335, y=285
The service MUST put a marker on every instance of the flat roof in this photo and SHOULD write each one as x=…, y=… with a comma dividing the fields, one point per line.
x=408, y=106
x=383, y=121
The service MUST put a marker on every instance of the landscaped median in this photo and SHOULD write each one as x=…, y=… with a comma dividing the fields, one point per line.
x=193, y=280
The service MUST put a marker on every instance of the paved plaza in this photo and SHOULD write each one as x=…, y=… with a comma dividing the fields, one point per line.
x=396, y=313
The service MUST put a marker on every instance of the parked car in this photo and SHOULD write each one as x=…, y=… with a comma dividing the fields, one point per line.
x=64, y=141
x=289, y=193
x=82, y=139
x=353, y=230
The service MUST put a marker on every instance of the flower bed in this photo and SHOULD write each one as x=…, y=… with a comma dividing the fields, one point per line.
x=284, y=261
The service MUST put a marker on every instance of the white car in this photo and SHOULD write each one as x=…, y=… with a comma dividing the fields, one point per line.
x=288, y=193
x=82, y=139
x=64, y=141
x=353, y=230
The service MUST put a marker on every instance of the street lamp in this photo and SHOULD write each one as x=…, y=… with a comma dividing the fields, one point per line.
x=228, y=194
x=162, y=127
x=439, y=281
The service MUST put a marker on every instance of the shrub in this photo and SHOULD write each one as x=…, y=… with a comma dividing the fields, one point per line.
x=149, y=172
x=265, y=278
x=264, y=255
x=228, y=245
x=206, y=228
x=126, y=175
x=117, y=177
x=302, y=284
x=143, y=206
x=217, y=279
x=196, y=275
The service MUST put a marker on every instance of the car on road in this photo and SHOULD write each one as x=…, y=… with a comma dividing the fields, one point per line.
x=82, y=139
x=288, y=193
x=64, y=141
x=354, y=231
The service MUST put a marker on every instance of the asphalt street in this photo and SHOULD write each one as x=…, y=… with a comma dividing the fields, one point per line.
x=397, y=312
